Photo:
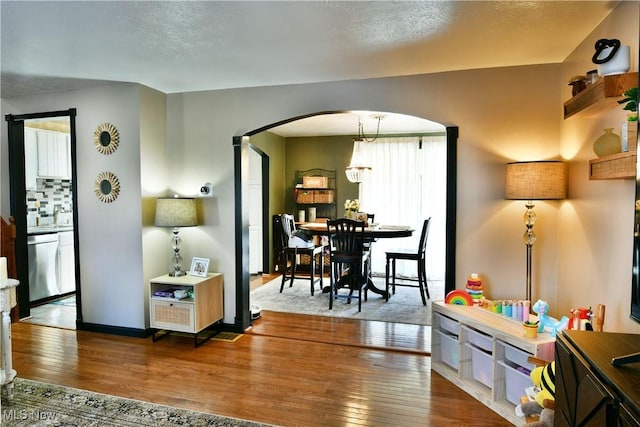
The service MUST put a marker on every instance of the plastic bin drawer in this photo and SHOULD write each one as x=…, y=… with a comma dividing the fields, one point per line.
x=482, y=365
x=517, y=357
x=448, y=325
x=479, y=340
x=449, y=349
x=516, y=380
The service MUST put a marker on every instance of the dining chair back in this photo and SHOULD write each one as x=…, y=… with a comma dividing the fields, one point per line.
x=419, y=256
x=348, y=260
x=288, y=258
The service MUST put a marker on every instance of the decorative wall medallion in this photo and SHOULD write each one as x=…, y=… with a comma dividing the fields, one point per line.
x=106, y=138
x=107, y=187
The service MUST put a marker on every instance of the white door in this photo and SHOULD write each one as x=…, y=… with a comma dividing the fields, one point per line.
x=255, y=213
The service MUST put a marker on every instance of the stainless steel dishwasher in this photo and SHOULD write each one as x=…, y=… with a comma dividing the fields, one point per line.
x=43, y=277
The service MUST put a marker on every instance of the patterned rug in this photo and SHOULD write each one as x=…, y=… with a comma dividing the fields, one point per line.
x=403, y=307
x=39, y=404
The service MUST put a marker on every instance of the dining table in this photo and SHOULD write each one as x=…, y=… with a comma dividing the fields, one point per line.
x=372, y=232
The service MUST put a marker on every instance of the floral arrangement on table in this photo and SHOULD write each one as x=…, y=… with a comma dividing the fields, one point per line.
x=351, y=207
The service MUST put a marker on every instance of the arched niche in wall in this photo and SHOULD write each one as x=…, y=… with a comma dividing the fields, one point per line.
x=242, y=145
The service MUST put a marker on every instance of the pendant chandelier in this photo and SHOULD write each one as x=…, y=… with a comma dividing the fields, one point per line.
x=359, y=166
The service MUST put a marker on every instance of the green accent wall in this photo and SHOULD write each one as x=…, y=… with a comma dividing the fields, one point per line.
x=324, y=152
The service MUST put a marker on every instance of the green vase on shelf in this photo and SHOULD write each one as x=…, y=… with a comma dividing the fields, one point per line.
x=608, y=143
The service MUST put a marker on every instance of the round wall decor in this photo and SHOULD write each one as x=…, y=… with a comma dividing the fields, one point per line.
x=107, y=187
x=106, y=138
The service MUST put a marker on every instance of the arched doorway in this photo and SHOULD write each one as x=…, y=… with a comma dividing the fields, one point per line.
x=242, y=145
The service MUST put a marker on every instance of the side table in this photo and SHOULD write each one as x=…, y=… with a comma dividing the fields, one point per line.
x=192, y=314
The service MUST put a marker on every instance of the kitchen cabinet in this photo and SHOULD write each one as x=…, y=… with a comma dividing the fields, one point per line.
x=30, y=158
x=66, y=263
x=53, y=154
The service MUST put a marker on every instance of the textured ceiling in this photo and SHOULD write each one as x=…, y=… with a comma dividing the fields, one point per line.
x=184, y=46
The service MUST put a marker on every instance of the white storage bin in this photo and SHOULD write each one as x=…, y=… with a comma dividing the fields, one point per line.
x=482, y=365
x=448, y=325
x=516, y=380
x=449, y=349
x=480, y=340
x=517, y=356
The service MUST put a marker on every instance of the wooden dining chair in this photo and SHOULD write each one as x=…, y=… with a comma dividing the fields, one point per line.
x=348, y=260
x=288, y=257
x=417, y=256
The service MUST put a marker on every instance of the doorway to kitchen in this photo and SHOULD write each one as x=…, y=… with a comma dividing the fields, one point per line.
x=43, y=203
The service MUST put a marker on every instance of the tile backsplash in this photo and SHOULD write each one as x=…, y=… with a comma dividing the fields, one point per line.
x=50, y=195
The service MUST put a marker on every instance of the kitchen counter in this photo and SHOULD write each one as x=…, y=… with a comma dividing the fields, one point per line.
x=47, y=229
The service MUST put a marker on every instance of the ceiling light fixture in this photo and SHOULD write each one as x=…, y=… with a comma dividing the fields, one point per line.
x=359, y=166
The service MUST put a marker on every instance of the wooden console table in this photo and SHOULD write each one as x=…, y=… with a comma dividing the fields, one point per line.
x=589, y=389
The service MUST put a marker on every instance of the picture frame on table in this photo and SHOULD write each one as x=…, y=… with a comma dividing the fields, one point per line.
x=199, y=267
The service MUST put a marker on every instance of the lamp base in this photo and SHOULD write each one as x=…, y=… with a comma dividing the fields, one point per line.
x=177, y=273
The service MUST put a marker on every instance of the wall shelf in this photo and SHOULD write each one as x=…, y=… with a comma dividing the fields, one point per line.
x=600, y=96
x=615, y=166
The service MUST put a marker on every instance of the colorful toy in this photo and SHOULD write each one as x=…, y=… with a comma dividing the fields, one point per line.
x=474, y=288
x=458, y=297
x=544, y=405
x=548, y=323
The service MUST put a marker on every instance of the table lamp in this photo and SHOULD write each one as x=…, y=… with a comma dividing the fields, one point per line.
x=176, y=212
x=536, y=180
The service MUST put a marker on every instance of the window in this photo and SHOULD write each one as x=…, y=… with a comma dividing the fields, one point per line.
x=406, y=185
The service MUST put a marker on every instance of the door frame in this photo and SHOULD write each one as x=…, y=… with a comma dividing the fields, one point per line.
x=241, y=168
x=18, y=202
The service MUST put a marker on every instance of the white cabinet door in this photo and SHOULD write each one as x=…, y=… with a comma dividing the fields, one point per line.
x=53, y=154
x=66, y=263
x=30, y=158
x=62, y=156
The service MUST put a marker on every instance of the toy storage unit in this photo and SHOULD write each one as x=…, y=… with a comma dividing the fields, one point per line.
x=485, y=354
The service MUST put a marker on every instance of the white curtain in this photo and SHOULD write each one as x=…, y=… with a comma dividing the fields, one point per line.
x=406, y=185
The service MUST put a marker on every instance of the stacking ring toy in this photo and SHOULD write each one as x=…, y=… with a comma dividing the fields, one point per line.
x=458, y=297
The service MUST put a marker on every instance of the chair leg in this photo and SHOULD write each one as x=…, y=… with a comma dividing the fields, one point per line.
x=284, y=277
x=294, y=267
x=420, y=282
x=321, y=268
x=393, y=275
x=313, y=272
x=331, y=289
x=386, y=271
x=424, y=278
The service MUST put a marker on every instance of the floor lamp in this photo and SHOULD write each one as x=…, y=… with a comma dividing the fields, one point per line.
x=538, y=180
x=176, y=212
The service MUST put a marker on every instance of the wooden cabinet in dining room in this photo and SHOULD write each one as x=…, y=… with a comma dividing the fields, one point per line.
x=53, y=154
x=315, y=192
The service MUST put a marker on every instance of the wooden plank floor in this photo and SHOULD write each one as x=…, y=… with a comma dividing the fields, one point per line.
x=292, y=381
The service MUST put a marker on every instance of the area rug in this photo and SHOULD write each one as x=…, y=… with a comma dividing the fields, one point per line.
x=39, y=404
x=403, y=307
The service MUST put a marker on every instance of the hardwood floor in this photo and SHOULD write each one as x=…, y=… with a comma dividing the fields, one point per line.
x=291, y=370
